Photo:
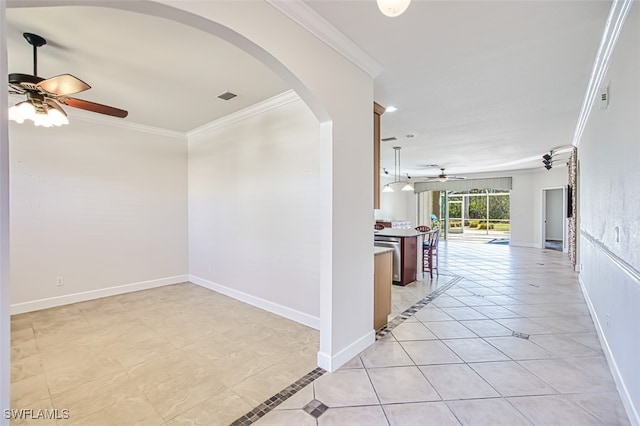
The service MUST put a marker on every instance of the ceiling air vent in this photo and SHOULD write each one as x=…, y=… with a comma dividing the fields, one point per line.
x=392, y=138
x=604, y=98
x=227, y=95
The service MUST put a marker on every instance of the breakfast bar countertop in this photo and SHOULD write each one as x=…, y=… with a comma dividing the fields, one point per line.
x=397, y=232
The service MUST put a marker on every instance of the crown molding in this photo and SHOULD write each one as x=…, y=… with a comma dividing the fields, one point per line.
x=311, y=21
x=259, y=108
x=128, y=125
x=615, y=20
x=76, y=114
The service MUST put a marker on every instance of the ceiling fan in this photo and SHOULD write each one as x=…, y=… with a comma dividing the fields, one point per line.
x=443, y=177
x=44, y=95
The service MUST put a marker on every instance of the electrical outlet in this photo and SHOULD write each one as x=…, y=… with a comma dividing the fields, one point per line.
x=59, y=281
x=607, y=320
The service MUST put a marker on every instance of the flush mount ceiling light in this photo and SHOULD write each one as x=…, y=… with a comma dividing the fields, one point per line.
x=406, y=184
x=393, y=8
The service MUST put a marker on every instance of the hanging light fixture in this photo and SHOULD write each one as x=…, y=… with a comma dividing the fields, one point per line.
x=407, y=185
x=393, y=8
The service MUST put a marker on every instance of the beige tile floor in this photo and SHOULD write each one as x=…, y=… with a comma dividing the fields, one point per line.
x=176, y=355
x=456, y=361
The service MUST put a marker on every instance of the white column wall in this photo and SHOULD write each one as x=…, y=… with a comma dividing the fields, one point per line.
x=102, y=207
x=609, y=210
x=254, y=210
x=5, y=320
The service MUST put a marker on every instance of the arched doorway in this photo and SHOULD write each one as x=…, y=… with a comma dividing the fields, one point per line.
x=346, y=261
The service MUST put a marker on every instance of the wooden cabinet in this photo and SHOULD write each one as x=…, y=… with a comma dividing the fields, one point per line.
x=378, y=110
x=409, y=254
x=382, y=277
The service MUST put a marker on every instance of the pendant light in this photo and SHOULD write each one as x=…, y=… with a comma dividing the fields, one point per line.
x=397, y=166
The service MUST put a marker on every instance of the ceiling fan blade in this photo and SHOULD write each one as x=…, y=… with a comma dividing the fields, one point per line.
x=93, y=107
x=62, y=85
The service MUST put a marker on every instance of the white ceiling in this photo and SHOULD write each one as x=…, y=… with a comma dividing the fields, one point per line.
x=164, y=73
x=483, y=85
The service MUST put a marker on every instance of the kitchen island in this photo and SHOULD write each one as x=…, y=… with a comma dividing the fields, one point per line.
x=406, y=253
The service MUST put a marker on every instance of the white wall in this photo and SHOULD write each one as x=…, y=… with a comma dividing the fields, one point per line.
x=97, y=205
x=609, y=197
x=254, y=209
x=5, y=320
x=526, y=210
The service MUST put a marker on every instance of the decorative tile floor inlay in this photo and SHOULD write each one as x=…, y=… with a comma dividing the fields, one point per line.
x=277, y=399
x=520, y=335
x=315, y=408
x=409, y=312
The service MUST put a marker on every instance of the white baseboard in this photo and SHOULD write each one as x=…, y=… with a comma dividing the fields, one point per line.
x=332, y=363
x=631, y=410
x=283, y=311
x=51, y=302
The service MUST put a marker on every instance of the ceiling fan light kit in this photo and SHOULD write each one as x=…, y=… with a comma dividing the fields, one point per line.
x=43, y=95
x=42, y=114
x=393, y=8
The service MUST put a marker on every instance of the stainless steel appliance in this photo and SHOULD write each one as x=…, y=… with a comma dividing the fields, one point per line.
x=395, y=244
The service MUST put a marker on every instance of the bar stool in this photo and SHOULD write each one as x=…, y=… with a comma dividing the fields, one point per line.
x=430, y=251
x=423, y=229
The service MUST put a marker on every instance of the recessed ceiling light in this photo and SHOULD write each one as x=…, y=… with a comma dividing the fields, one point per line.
x=390, y=109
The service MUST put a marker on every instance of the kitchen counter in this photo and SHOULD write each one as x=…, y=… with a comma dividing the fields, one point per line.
x=396, y=232
x=380, y=250
x=407, y=255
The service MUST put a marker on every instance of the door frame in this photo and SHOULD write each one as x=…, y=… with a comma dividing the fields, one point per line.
x=543, y=219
